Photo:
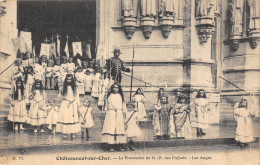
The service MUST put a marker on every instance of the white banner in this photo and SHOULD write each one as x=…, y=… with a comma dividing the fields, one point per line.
x=45, y=50
x=101, y=55
x=67, y=49
x=52, y=50
x=26, y=41
x=77, y=48
x=88, y=51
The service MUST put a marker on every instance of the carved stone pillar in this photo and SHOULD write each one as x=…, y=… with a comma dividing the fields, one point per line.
x=166, y=24
x=204, y=13
x=129, y=24
x=147, y=24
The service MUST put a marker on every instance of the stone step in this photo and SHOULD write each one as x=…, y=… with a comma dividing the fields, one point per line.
x=4, y=106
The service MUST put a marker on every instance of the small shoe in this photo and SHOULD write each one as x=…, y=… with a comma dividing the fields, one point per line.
x=132, y=149
x=127, y=149
x=42, y=130
x=35, y=130
x=73, y=136
x=65, y=137
x=198, y=134
x=111, y=150
x=203, y=133
x=121, y=149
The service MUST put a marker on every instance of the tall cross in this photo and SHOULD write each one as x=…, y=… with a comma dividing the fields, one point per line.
x=46, y=40
x=58, y=36
x=67, y=37
x=52, y=38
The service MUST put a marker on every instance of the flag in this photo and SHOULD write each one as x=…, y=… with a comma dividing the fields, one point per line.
x=16, y=44
x=45, y=50
x=58, y=46
x=101, y=55
x=77, y=48
x=88, y=51
x=52, y=51
x=26, y=41
x=67, y=49
x=33, y=54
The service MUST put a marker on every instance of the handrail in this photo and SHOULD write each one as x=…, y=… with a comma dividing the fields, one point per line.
x=232, y=84
x=6, y=68
x=140, y=80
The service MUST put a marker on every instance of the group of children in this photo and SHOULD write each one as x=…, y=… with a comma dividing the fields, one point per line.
x=122, y=120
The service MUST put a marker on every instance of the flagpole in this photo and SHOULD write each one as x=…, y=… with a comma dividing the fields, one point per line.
x=132, y=72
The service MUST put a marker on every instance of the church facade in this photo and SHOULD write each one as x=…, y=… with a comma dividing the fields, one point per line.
x=180, y=45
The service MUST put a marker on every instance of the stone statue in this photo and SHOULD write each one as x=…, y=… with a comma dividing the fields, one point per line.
x=148, y=8
x=235, y=16
x=166, y=8
x=254, y=15
x=204, y=8
x=127, y=8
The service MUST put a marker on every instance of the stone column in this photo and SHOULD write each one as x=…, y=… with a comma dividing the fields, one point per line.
x=8, y=31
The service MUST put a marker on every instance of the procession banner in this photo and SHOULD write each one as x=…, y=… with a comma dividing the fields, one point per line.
x=45, y=50
x=26, y=41
x=77, y=48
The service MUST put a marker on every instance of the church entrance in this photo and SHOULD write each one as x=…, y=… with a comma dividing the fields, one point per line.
x=72, y=21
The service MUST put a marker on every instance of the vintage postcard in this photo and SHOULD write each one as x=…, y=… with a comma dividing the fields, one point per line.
x=129, y=82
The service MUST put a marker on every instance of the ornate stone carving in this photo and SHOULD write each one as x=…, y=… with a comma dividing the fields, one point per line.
x=204, y=33
x=128, y=24
x=129, y=31
x=234, y=45
x=253, y=43
x=147, y=31
x=166, y=30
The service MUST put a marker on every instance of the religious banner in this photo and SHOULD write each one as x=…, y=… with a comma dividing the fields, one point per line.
x=77, y=48
x=26, y=41
x=101, y=55
x=45, y=50
x=67, y=49
x=58, y=45
x=16, y=44
x=88, y=51
x=52, y=50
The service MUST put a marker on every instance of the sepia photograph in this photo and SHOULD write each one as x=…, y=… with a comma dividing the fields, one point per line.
x=129, y=82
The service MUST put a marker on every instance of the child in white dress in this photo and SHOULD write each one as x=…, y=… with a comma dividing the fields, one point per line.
x=88, y=82
x=17, y=113
x=56, y=73
x=132, y=128
x=139, y=100
x=96, y=88
x=52, y=115
x=244, y=129
x=49, y=77
x=71, y=66
x=37, y=116
x=85, y=118
x=80, y=78
x=201, y=112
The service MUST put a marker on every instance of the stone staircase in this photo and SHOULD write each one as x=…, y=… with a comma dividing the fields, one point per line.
x=226, y=113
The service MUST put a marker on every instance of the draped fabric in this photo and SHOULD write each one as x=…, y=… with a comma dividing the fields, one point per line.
x=148, y=7
x=127, y=8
